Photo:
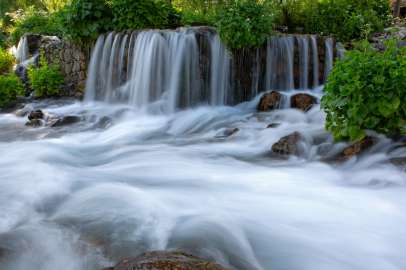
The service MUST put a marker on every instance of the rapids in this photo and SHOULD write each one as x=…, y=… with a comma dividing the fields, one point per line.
x=85, y=196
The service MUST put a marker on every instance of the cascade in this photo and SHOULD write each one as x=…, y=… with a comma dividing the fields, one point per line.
x=22, y=50
x=159, y=71
x=328, y=65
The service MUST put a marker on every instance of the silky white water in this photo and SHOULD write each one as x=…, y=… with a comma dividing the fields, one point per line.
x=85, y=196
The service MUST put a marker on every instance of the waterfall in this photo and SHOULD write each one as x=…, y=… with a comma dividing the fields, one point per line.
x=160, y=71
x=340, y=51
x=303, y=43
x=315, y=62
x=220, y=71
x=328, y=64
x=279, y=68
x=22, y=50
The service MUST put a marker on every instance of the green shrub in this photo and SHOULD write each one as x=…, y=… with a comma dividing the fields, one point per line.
x=366, y=90
x=244, y=24
x=7, y=60
x=35, y=22
x=45, y=80
x=10, y=88
x=142, y=14
x=84, y=19
x=190, y=17
x=346, y=19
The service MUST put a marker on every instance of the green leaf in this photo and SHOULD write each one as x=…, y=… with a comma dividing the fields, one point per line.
x=378, y=79
x=371, y=122
x=356, y=134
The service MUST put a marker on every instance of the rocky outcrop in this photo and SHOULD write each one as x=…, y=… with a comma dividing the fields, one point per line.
x=288, y=145
x=65, y=120
x=270, y=101
x=273, y=125
x=11, y=107
x=72, y=64
x=302, y=101
x=359, y=147
x=35, y=118
x=165, y=260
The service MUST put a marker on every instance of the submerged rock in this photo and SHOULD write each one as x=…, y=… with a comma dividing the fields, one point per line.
x=288, y=145
x=273, y=125
x=65, y=120
x=232, y=132
x=38, y=114
x=270, y=101
x=302, y=101
x=11, y=107
x=358, y=147
x=165, y=260
x=35, y=123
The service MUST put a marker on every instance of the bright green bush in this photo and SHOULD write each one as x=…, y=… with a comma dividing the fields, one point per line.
x=45, y=80
x=367, y=90
x=346, y=19
x=35, y=22
x=7, y=60
x=244, y=24
x=84, y=19
x=10, y=88
x=142, y=14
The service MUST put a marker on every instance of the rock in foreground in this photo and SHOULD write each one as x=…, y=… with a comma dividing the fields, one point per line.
x=270, y=101
x=288, y=145
x=165, y=260
x=358, y=147
x=65, y=120
x=302, y=101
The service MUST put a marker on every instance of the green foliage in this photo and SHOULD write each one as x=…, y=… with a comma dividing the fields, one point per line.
x=84, y=19
x=45, y=80
x=3, y=41
x=190, y=17
x=10, y=88
x=35, y=22
x=346, y=19
x=244, y=24
x=142, y=14
x=366, y=90
x=7, y=60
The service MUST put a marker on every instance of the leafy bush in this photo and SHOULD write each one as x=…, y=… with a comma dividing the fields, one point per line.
x=36, y=22
x=7, y=60
x=45, y=80
x=10, y=88
x=366, y=90
x=141, y=14
x=346, y=19
x=84, y=19
x=244, y=24
x=190, y=17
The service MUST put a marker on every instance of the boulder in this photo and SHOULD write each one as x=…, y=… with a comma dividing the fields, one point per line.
x=165, y=260
x=270, y=101
x=358, y=147
x=302, y=101
x=104, y=121
x=38, y=114
x=273, y=125
x=35, y=123
x=65, y=120
x=82, y=86
x=287, y=145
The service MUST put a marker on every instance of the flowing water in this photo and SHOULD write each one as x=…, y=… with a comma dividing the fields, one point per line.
x=87, y=195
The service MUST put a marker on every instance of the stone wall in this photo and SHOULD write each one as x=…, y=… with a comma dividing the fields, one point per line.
x=72, y=64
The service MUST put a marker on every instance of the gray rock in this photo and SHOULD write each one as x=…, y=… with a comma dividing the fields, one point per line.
x=68, y=55
x=68, y=68
x=82, y=76
x=65, y=120
x=401, y=43
x=288, y=145
x=76, y=67
x=381, y=47
x=83, y=66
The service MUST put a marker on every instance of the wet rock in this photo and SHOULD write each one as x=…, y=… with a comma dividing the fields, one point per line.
x=302, y=101
x=65, y=120
x=11, y=107
x=38, y=114
x=287, y=145
x=358, y=147
x=273, y=125
x=270, y=101
x=104, y=121
x=82, y=86
x=35, y=123
x=231, y=132
x=165, y=260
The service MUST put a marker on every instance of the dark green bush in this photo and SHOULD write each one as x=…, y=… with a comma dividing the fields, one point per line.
x=84, y=19
x=36, y=22
x=10, y=88
x=244, y=24
x=45, y=80
x=142, y=14
x=7, y=60
x=367, y=90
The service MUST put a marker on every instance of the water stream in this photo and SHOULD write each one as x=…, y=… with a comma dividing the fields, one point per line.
x=87, y=195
